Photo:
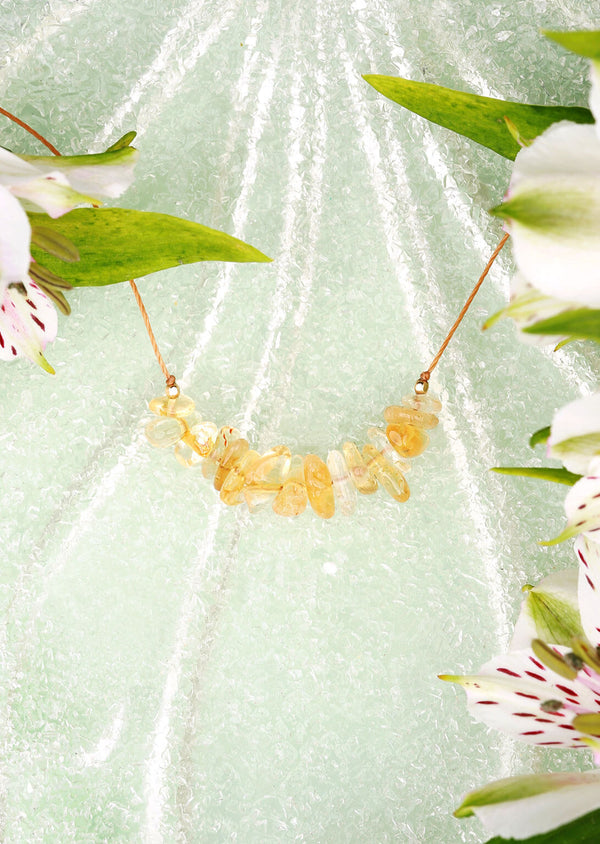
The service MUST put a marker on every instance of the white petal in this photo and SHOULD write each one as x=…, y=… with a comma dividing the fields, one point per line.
x=15, y=240
x=52, y=193
x=14, y=169
x=574, y=795
x=27, y=323
x=561, y=258
x=103, y=174
x=588, y=554
x=582, y=506
x=550, y=607
x=551, y=155
x=507, y=694
x=579, y=418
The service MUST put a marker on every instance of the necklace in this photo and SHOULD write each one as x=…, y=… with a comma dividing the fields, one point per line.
x=286, y=482
x=289, y=482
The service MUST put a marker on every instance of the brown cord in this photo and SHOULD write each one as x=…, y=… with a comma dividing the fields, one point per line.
x=170, y=379
x=423, y=380
x=425, y=376
x=30, y=130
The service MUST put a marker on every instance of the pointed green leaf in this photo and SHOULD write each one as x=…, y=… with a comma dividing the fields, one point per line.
x=585, y=43
x=583, y=830
x=543, y=473
x=123, y=142
x=513, y=789
x=116, y=244
x=540, y=436
x=583, y=323
x=480, y=118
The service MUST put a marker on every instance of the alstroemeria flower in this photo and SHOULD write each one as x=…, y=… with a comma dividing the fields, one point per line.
x=28, y=320
x=575, y=434
x=552, y=210
x=548, y=693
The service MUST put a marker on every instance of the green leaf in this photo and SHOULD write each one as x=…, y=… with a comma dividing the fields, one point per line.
x=116, y=244
x=583, y=323
x=480, y=118
x=585, y=43
x=543, y=473
x=583, y=830
x=540, y=436
x=123, y=142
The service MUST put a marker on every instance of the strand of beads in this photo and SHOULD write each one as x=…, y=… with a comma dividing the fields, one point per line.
x=288, y=482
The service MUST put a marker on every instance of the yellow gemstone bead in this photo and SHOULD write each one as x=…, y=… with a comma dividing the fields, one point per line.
x=364, y=481
x=224, y=438
x=162, y=433
x=397, y=415
x=257, y=497
x=186, y=455
x=201, y=437
x=232, y=455
x=379, y=439
x=167, y=406
x=231, y=491
x=343, y=488
x=271, y=468
x=408, y=440
x=390, y=478
x=427, y=402
x=319, y=486
x=291, y=500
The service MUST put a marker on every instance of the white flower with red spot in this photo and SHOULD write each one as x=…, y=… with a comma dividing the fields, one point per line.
x=544, y=692
x=28, y=319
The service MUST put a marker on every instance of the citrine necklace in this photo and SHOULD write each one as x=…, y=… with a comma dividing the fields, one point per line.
x=281, y=480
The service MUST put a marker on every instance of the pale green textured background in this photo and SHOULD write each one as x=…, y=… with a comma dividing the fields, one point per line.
x=177, y=671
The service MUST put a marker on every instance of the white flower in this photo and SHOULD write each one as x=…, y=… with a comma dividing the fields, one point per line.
x=546, y=693
x=553, y=210
x=28, y=320
x=575, y=434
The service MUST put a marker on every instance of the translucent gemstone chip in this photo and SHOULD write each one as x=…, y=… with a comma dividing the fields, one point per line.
x=408, y=440
x=272, y=467
x=364, y=481
x=258, y=497
x=390, y=478
x=225, y=436
x=232, y=455
x=162, y=433
x=166, y=406
x=319, y=486
x=186, y=455
x=292, y=498
x=343, y=488
x=428, y=403
x=381, y=442
x=397, y=415
x=231, y=491
x=201, y=437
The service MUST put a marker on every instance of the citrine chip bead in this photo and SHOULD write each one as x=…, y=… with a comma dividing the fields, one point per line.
x=319, y=486
x=258, y=497
x=364, y=481
x=381, y=442
x=408, y=440
x=167, y=406
x=231, y=491
x=390, y=478
x=397, y=415
x=343, y=488
x=201, y=437
x=292, y=498
x=232, y=455
x=225, y=436
x=272, y=468
x=164, y=432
